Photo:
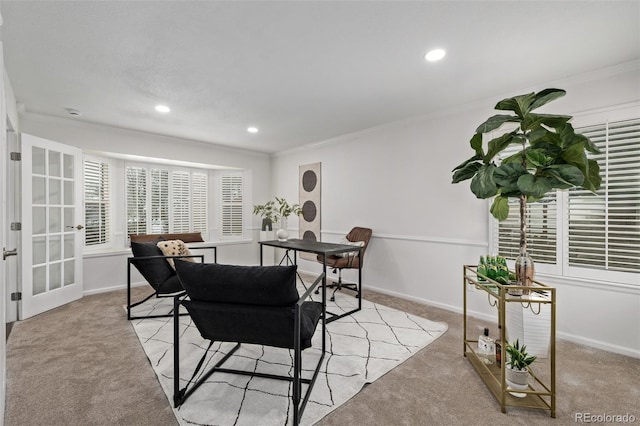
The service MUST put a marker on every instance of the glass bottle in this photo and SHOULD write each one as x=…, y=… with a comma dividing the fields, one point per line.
x=486, y=347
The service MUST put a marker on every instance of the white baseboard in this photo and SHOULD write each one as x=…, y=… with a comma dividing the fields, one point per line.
x=114, y=288
x=490, y=318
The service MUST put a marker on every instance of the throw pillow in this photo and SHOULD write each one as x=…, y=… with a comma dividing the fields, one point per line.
x=175, y=248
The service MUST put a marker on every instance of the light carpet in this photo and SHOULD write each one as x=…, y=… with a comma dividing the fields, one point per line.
x=361, y=348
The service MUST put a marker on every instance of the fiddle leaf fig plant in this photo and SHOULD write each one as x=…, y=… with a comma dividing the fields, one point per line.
x=552, y=156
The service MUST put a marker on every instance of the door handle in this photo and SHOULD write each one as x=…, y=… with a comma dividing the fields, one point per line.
x=6, y=253
x=79, y=227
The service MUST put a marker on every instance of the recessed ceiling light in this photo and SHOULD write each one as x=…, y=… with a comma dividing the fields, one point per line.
x=162, y=108
x=252, y=129
x=435, y=55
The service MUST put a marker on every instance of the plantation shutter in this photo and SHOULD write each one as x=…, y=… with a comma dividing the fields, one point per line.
x=604, y=230
x=541, y=226
x=540, y=229
x=159, y=201
x=96, y=197
x=199, y=201
x=136, y=200
x=180, y=201
x=232, y=205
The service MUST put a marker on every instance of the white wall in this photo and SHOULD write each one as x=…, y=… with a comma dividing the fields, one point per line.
x=104, y=272
x=396, y=179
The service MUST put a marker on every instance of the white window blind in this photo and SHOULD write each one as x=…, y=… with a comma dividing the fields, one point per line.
x=604, y=230
x=159, y=201
x=199, y=200
x=96, y=202
x=136, y=184
x=180, y=201
x=232, y=221
x=541, y=227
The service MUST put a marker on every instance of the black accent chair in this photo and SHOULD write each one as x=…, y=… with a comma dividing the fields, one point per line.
x=352, y=260
x=152, y=264
x=248, y=304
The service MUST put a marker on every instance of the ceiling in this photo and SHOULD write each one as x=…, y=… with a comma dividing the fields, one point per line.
x=302, y=72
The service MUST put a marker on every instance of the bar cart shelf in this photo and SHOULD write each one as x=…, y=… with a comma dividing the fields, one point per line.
x=541, y=392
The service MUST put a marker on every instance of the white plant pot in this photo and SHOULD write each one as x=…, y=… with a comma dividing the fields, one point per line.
x=517, y=380
x=282, y=233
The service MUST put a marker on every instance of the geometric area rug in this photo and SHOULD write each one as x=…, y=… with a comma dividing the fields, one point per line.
x=361, y=348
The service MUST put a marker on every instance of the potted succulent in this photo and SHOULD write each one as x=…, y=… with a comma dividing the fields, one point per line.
x=553, y=156
x=517, y=367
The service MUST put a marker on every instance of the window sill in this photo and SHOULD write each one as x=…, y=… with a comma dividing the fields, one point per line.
x=121, y=251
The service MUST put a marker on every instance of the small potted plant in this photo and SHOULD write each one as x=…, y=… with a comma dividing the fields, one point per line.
x=517, y=367
x=268, y=213
x=276, y=212
x=284, y=211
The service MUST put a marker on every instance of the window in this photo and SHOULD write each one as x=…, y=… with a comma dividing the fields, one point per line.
x=575, y=229
x=96, y=202
x=604, y=230
x=232, y=205
x=173, y=200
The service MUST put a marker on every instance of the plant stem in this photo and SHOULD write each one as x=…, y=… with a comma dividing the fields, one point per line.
x=523, y=226
x=523, y=203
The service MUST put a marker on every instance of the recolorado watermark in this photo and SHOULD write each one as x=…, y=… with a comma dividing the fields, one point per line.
x=604, y=418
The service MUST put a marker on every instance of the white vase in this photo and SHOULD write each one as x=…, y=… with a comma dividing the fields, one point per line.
x=282, y=233
x=517, y=380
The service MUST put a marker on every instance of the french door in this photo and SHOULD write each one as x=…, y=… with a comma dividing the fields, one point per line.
x=51, y=225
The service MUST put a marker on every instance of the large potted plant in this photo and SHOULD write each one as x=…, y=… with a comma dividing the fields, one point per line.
x=552, y=156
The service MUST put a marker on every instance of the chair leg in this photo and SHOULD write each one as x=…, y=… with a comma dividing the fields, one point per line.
x=339, y=285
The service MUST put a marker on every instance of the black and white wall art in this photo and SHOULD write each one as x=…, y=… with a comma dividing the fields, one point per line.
x=309, y=221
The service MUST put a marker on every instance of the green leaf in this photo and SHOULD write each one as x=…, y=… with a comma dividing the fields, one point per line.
x=537, y=158
x=588, y=144
x=592, y=180
x=482, y=184
x=476, y=144
x=519, y=104
x=514, y=158
x=545, y=96
x=497, y=145
x=534, y=121
x=575, y=155
x=500, y=208
x=549, y=149
x=466, y=172
x=566, y=173
x=537, y=134
x=507, y=175
x=461, y=165
x=495, y=122
x=534, y=185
